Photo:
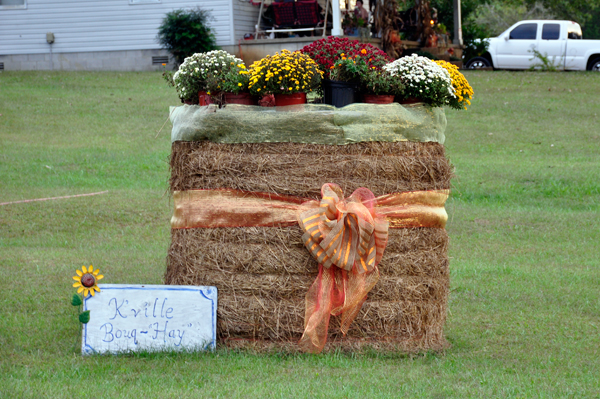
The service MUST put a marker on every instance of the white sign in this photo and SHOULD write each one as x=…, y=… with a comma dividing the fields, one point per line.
x=127, y=318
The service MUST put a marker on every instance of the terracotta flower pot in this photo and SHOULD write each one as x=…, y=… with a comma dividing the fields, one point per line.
x=290, y=99
x=378, y=98
x=241, y=98
x=204, y=98
x=410, y=100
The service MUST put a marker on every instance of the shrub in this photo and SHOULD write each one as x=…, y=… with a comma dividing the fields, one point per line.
x=185, y=32
x=475, y=41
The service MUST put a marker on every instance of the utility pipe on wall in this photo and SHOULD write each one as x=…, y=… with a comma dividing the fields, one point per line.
x=50, y=40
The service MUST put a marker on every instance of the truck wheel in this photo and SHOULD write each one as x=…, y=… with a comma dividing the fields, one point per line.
x=478, y=63
x=594, y=65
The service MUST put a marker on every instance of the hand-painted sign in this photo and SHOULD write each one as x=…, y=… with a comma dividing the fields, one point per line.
x=127, y=318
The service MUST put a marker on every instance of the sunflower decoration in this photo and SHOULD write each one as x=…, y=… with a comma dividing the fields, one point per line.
x=87, y=280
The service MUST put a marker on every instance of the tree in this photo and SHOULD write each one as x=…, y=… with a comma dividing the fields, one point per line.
x=497, y=16
x=584, y=12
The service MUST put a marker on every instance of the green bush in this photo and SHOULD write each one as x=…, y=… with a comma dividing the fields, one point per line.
x=186, y=32
x=475, y=40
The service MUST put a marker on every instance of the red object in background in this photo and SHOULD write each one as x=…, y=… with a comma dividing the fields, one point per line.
x=410, y=100
x=378, y=98
x=290, y=99
x=432, y=41
x=267, y=101
x=307, y=12
x=242, y=98
x=203, y=98
x=284, y=14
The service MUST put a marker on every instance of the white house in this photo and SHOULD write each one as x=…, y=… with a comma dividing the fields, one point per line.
x=105, y=34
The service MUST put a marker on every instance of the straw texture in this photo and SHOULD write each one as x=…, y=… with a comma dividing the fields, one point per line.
x=263, y=273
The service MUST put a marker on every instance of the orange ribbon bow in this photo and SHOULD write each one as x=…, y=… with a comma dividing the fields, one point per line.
x=351, y=235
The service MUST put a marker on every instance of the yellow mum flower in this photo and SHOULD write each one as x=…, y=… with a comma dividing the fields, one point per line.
x=462, y=90
x=86, y=280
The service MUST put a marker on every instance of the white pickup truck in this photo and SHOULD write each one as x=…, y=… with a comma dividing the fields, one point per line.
x=560, y=41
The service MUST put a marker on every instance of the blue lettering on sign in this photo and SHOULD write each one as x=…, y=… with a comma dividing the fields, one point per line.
x=161, y=333
x=164, y=313
x=118, y=307
x=110, y=334
x=158, y=330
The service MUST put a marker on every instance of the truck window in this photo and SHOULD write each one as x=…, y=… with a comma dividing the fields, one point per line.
x=574, y=34
x=524, y=32
x=551, y=32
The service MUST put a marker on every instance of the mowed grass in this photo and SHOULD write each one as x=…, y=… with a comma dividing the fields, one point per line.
x=524, y=314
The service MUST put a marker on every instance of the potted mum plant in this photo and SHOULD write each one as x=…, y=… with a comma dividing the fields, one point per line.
x=463, y=92
x=345, y=75
x=327, y=51
x=353, y=76
x=190, y=79
x=203, y=75
x=287, y=75
x=227, y=79
x=423, y=80
x=380, y=87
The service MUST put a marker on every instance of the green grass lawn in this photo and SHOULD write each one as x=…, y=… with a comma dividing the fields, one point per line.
x=524, y=314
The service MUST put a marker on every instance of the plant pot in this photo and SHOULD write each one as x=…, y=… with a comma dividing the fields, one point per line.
x=203, y=98
x=290, y=99
x=241, y=98
x=339, y=94
x=409, y=100
x=378, y=98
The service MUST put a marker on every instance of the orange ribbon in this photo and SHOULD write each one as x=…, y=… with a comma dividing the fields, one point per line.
x=349, y=234
x=237, y=208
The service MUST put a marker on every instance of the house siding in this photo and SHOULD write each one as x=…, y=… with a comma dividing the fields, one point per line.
x=98, y=25
x=245, y=19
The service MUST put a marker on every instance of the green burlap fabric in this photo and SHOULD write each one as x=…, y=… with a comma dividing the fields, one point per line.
x=309, y=123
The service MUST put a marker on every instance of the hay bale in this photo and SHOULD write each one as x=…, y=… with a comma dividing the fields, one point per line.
x=263, y=273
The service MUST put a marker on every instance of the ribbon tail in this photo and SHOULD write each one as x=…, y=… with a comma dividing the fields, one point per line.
x=357, y=287
x=323, y=296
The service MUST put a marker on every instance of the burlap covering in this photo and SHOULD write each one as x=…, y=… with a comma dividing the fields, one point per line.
x=308, y=123
x=263, y=273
